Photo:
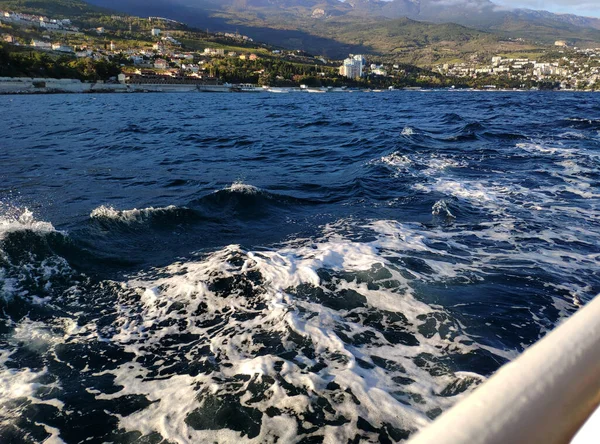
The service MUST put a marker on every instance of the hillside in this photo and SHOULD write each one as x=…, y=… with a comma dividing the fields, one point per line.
x=334, y=28
x=66, y=8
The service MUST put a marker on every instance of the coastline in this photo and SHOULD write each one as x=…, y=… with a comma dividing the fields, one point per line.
x=30, y=86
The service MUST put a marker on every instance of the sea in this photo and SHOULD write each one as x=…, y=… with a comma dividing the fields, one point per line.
x=282, y=268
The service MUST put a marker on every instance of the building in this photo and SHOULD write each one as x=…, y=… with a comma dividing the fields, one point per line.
x=352, y=67
x=159, y=47
x=161, y=64
x=155, y=32
x=214, y=51
x=100, y=30
x=61, y=48
x=252, y=57
x=83, y=53
x=561, y=43
x=41, y=45
x=112, y=46
x=171, y=40
x=49, y=25
x=190, y=67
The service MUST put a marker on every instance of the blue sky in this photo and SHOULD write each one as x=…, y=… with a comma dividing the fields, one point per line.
x=580, y=7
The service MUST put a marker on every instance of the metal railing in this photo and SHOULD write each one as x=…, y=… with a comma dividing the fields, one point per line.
x=544, y=396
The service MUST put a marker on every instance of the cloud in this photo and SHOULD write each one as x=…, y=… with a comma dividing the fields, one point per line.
x=586, y=7
x=474, y=3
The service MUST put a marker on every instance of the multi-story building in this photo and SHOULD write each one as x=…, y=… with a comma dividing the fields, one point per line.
x=352, y=67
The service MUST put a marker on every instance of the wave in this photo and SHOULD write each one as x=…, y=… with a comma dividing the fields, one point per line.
x=14, y=219
x=325, y=330
x=317, y=337
x=542, y=148
x=246, y=200
x=472, y=191
x=165, y=216
x=451, y=118
x=468, y=132
x=441, y=209
x=581, y=123
x=236, y=200
x=396, y=160
x=322, y=332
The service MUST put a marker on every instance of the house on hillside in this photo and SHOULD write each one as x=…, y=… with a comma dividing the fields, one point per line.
x=161, y=64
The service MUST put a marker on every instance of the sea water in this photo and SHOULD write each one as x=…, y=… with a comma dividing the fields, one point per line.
x=282, y=268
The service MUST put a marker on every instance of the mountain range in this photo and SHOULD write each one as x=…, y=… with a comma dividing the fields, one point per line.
x=334, y=28
x=422, y=32
x=480, y=14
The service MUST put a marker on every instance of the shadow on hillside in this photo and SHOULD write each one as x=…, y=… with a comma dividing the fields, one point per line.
x=200, y=18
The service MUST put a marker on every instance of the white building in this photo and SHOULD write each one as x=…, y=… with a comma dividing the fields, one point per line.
x=155, y=32
x=171, y=40
x=49, y=25
x=214, y=51
x=61, y=48
x=352, y=67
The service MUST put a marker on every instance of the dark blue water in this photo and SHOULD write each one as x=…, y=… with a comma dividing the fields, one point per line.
x=282, y=268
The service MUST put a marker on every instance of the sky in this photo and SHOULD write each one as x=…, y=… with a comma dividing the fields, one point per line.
x=579, y=7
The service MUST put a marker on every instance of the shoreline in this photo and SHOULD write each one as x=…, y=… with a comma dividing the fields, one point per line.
x=37, y=86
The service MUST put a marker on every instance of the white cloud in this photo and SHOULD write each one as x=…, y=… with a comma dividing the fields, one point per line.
x=585, y=7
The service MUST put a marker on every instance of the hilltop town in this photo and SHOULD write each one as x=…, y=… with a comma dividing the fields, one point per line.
x=119, y=48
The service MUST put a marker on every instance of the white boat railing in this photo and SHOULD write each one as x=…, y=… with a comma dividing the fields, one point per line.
x=544, y=396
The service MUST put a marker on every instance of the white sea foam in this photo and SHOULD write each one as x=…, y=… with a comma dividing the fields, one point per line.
x=13, y=219
x=134, y=215
x=468, y=190
x=408, y=131
x=240, y=187
x=142, y=328
x=440, y=208
x=19, y=387
x=435, y=165
x=396, y=160
x=263, y=298
x=572, y=135
x=545, y=149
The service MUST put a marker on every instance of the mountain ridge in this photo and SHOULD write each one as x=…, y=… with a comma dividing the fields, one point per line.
x=334, y=29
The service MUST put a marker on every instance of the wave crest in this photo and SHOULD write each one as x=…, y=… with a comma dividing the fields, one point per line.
x=18, y=220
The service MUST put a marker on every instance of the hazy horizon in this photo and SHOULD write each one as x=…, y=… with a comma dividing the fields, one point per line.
x=576, y=7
